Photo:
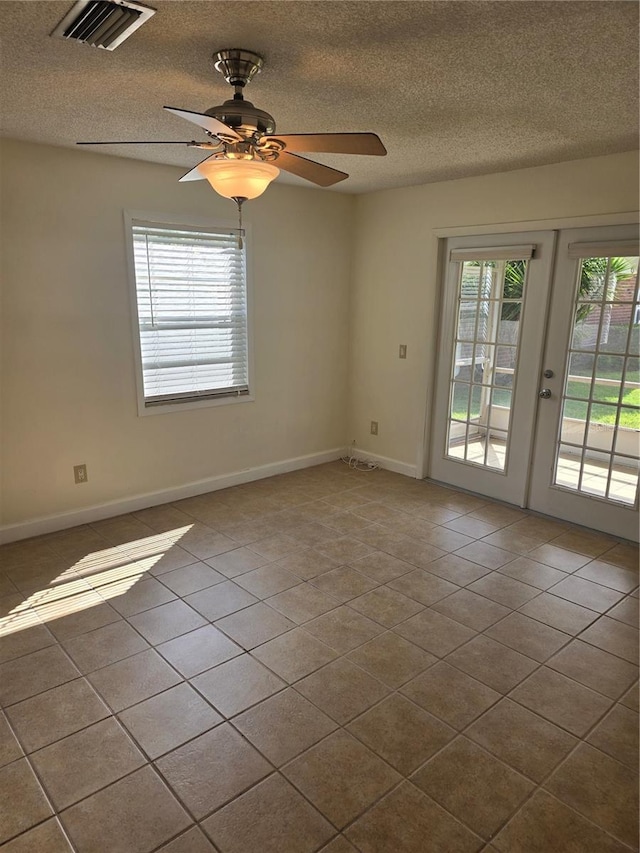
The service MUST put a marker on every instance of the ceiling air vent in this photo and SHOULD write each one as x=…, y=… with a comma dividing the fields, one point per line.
x=102, y=23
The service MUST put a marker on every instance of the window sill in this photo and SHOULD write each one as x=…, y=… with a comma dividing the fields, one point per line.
x=168, y=408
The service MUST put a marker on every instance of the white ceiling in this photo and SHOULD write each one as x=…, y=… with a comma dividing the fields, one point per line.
x=453, y=88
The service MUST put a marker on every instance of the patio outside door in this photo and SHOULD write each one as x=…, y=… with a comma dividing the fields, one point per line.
x=553, y=427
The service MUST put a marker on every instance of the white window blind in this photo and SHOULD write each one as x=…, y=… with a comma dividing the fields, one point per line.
x=192, y=312
x=495, y=253
x=612, y=249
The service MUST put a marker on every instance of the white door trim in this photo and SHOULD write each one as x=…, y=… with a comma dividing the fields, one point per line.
x=596, y=221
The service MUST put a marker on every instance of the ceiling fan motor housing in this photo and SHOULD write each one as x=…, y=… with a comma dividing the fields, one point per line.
x=243, y=117
x=238, y=67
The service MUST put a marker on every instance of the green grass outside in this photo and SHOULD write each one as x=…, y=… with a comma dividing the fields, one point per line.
x=629, y=417
x=604, y=414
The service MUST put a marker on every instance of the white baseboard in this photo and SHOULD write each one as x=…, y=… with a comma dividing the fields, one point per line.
x=390, y=464
x=52, y=523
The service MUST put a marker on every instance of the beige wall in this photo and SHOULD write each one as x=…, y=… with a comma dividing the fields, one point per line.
x=394, y=289
x=326, y=359
x=68, y=381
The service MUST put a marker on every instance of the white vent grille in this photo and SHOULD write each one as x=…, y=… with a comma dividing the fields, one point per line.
x=102, y=23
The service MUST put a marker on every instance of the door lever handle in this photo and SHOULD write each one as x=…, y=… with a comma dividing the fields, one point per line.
x=545, y=393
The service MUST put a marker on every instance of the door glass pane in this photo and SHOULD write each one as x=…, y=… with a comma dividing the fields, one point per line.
x=460, y=401
x=598, y=446
x=506, y=358
x=477, y=405
x=594, y=479
x=631, y=390
x=504, y=378
x=578, y=387
x=623, y=484
x=467, y=316
x=470, y=285
x=568, y=465
x=483, y=325
x=609, y=370
x=581, y=364
x=630, y=417
x=513, y=282
x=500, y=399
x=574, y=421
x=613, y=330
x=496, y=451
x=509, y=326
x=482, y=359
x=490, y=304
x=601, y=426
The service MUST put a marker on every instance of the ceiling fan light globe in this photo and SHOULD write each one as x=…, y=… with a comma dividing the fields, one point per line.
x=239, y=178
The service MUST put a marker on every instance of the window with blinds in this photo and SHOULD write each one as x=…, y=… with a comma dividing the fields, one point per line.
x=191, y=299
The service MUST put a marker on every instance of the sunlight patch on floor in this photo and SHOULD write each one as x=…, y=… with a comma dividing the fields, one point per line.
x=92, y=580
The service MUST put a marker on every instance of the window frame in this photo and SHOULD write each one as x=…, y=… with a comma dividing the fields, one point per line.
x=132, y=217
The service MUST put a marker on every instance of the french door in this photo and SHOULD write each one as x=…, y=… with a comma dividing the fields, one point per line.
x=494, y=310
x=537, y=389
x=585, y=462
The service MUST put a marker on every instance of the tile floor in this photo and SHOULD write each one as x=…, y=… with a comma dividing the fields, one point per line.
x=328, y=660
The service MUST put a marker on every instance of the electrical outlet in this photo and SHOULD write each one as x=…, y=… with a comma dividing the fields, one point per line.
x=403, y=351
x=374, y=427
x=80, y=474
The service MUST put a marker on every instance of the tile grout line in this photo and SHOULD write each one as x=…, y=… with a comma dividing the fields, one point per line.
x=54, y=812
x=299, y=625
x=386, y=629
x=539, y=787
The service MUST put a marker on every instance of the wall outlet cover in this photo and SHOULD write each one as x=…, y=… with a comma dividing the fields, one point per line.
x=80, y=474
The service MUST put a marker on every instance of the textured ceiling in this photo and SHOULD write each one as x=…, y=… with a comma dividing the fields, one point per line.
x=453, y=88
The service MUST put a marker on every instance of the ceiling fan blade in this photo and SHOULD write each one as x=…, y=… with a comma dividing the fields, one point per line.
x=209, y=123
x=323, y=176
x=194, y=174
x=142, y=142
x=333, y=143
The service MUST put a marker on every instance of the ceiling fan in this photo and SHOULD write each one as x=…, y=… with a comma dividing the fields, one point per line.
x=245, y=147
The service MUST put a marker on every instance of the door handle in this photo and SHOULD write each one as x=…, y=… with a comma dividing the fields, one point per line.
x=545, y=393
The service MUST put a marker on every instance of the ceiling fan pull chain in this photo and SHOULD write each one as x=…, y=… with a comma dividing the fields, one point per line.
x=239, y=200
